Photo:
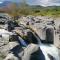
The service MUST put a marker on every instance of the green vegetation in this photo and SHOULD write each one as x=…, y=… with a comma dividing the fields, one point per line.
x=47, y=11
x=25, y=9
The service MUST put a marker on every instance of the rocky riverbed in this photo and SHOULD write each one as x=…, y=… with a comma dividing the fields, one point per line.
x=26, y=40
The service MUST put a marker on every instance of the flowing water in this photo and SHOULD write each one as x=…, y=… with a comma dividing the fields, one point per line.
x=50, y=51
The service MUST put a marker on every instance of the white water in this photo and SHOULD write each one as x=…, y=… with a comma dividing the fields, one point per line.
x=22, y=41
x=46, y=49
x=49, y=49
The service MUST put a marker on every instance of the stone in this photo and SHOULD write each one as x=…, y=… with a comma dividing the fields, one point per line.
x=11, y=57
x=5, y=38
x=13, y=44
x=6, y=48
x=30, y=49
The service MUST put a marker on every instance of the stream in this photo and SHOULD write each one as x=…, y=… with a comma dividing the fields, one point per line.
x=49, y=50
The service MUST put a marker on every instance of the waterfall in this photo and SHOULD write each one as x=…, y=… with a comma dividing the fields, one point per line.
x=22, y=41
x=50, y=50
x=37, y=37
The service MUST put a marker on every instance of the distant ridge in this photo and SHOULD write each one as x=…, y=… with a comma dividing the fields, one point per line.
x=5, y=4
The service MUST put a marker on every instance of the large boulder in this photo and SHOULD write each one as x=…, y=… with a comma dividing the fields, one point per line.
x=4, y=39
x=6, y=48
x=29, y=51
x=11, y=57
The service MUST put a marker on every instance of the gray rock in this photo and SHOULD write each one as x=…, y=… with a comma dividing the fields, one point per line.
x=30, y=49
x=6, y=48
x=11, y=57
x=4, y=39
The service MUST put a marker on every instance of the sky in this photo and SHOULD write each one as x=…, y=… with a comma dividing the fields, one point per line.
x=38, y=2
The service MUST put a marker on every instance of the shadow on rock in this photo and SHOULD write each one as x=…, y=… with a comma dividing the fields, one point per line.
x=16, y=50
x=38, y=55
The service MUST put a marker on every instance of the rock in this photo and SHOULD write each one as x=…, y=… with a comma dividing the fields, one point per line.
x=6, y=48
x=32, y=38
x=30, y=49
x=11, y=57
x=51, y=57
x=4, y=39
x=13, y=44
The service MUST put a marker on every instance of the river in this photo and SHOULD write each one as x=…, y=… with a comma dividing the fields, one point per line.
x=50, y=51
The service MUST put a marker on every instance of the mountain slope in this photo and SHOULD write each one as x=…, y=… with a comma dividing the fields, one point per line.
x=7, y=6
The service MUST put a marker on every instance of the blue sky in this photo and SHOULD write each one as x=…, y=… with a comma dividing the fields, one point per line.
x=39, y=2
x=45, y=2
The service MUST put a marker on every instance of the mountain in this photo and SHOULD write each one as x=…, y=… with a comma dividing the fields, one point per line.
x=7, y=6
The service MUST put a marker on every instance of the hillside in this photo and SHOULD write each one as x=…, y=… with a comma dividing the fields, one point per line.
x=7, y=6
x=16, y=9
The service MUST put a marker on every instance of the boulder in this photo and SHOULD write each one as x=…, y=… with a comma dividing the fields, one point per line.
x=4, y=39
x=6, y=48
x=13, y=51
x=11, y=57
x=29, y=53
x=29, y=50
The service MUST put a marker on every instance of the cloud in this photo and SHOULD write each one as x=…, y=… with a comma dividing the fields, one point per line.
x=1, y=2
x=45, y=2
x=10, y=0
x=39, y=2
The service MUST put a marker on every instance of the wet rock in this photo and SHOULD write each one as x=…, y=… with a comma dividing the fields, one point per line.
x=30, y=49
x=4, y=39
x=31, y=52
x=6, y=48
x=51, y=57
x=11, y=57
